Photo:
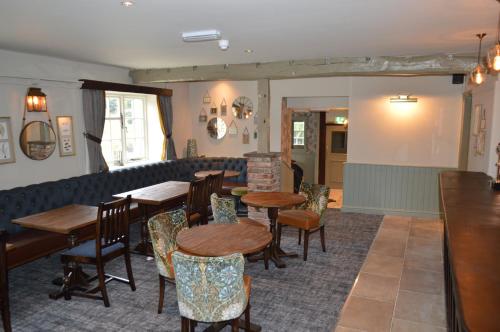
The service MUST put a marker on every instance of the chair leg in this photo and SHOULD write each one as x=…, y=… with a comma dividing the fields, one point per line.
x=322, y=235
x=278, y=235
x=300, y=236
x=306, y=243
x=266, y=257
x=102, y=284
x=5, y=306
x=184, y=324
x=129, y=270
x=247, y=317
x=192, y=325
x=162, y=293
x=235, y=325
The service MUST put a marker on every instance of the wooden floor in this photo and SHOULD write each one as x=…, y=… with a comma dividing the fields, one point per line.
x=400, y=287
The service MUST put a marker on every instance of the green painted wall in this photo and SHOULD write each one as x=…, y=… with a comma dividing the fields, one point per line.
x=387, y=189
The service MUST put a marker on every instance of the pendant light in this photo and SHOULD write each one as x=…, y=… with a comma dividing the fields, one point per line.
x=494, y=52
x=478, y=75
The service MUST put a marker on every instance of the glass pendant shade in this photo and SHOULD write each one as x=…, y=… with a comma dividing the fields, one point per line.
x=494, y=57
x=478, y=75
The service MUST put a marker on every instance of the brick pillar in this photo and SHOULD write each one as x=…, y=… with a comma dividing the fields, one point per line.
x=263, y=174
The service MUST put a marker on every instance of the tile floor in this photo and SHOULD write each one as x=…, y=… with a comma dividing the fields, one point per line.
x=336, y=194
x=400, y=287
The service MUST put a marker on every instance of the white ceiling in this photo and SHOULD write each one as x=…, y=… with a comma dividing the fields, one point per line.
x=147, y=35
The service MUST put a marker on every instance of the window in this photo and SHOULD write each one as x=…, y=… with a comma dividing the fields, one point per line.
x=124, y=140
x=298, y=135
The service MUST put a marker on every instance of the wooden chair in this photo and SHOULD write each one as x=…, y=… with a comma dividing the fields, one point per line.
x=214, y=185
x=308, y=217
x=112, y=241
x=163, y=230
x=196, y=205
x=219, y=296
x=4, y=282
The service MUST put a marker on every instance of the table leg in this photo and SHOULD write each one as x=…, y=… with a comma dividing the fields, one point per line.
x=144, y=246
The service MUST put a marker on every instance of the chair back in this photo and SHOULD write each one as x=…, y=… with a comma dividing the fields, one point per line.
x=210, y=289
x=214, y=183
x=163, y=230
x=113, y=223
x=196, y=200
x=316, y=198
x=223, y=209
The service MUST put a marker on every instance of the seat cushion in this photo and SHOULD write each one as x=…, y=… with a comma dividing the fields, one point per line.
x=239, y=191
x=87, y=249
x=303, y=219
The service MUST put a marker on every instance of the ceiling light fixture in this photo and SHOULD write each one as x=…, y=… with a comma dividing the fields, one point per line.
x=127, y=3
x=494, y=52
x=404, y=99
x=199, y=36
x=478, y=75
x=248, y=50
x=224, y=44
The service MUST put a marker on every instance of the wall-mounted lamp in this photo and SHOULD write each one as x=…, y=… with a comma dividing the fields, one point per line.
x=404, y=99
x=36, y=100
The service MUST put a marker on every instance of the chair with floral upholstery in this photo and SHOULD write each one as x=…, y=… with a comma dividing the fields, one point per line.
x=163, y=229
x=211, y=290
x=309, y=216
x=223, y=209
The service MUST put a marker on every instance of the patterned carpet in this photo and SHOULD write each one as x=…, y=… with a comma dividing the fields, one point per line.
x=305, y=296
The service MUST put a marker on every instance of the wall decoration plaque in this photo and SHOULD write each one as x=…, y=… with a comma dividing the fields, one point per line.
x=233, y=129
x=66, y=136
x=6, y=142
x=203, y=116
x=213, y=109
x=206, y=98
x=223, y=107
x=246, y=136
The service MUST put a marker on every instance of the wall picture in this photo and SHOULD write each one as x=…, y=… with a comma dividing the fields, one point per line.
x=6, y=142
x=65, y=135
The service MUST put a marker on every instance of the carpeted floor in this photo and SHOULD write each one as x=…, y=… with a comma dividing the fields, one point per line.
x=305, y=296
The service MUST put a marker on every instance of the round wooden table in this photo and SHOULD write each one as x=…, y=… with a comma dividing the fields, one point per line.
x=227, y=174
x=212, y=240
x=273, y=201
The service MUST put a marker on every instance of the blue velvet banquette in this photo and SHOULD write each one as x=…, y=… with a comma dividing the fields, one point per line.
x=92, y=189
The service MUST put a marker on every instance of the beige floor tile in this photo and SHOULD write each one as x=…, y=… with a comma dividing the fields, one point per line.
x=421, y=307
x=366, y=314
x=396, y=233
x=431, y=234
x=431, y=249
x=429, y=224
x=383, y=265
x=347, y=329
x=389, y=246
x=376, y=287
x=399, y=325
x=415, y=261
x=396, y=222
x=422, y=281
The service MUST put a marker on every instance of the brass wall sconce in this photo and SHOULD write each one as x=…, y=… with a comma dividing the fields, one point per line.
x=36, y=100
x=404, y=99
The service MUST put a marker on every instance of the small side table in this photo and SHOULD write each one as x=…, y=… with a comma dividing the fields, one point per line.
x=237, y=193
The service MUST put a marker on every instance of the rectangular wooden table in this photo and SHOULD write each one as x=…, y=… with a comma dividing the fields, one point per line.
x=69, y=220
x=162, y=196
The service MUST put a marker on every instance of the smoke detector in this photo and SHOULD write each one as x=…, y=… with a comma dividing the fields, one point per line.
x=223, y=44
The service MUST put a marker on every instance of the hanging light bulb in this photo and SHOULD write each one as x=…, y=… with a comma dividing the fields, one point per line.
x=494, y=52
x=478, y=75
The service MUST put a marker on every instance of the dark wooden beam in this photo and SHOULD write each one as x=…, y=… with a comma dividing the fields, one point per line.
x=110, y=86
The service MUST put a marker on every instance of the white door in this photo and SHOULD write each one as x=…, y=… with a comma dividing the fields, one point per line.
x=336, y=155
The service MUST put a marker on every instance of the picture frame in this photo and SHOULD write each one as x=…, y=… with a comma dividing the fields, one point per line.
x=65, y=136
x=7, y=152
x=476, y=119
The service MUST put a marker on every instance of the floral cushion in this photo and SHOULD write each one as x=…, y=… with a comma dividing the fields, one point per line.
x=316, y=198
x=210, y=289
x=163, y=229
x=223, y=210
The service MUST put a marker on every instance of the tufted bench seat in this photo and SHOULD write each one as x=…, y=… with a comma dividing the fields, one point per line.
x=90, y=189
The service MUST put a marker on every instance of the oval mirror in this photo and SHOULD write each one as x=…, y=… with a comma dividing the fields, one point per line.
x=38, y=140
x=242, y=107
x=217, y=128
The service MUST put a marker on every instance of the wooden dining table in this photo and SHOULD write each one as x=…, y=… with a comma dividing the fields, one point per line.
x=227, y=173
x=73, y=221
x=152, y=199
x=213, y=240
x=273, y=201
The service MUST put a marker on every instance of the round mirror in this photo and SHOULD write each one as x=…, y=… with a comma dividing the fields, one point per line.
x=216, y=128
x=242, y=107
x=38, y=140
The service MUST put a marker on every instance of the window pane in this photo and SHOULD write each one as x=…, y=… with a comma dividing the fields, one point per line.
x=135, y=149
x=112, y=107
x=135, y=128
x=134, y=108
x=298, y=133
x=116, y=129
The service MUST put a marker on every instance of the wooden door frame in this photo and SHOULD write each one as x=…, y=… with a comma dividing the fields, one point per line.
x=321, y=147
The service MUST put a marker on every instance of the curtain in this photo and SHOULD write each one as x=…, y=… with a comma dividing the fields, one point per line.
x=94, y=115
x=166, y=118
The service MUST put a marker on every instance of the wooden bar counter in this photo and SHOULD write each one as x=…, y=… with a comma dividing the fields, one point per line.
x=471, y=251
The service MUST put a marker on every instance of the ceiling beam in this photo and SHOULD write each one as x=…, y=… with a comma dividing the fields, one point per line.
x=358, y=66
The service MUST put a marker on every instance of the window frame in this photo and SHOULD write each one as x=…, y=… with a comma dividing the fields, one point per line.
x=298, y=146
x=121, y=97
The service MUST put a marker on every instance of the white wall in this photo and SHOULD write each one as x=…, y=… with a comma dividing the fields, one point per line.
x=59, y=80
x=422, y=134
x=229, y=146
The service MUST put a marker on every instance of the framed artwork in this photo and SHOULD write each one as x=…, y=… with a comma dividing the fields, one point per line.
x=206, y=98
x=223, y=107
x=476, y=119
x=65, y=135
x=6, y=142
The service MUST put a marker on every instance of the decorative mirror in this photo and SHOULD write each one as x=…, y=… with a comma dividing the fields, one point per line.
x=242, y=107
x=217, y=128
x=37, y=140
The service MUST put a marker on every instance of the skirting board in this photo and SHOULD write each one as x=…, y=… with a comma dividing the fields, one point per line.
x=392, y=190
